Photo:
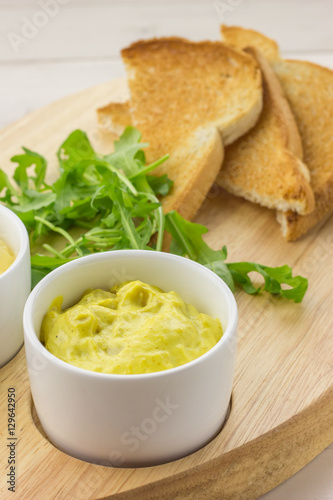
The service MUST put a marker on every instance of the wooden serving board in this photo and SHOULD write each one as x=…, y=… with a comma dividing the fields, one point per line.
x=282, y=403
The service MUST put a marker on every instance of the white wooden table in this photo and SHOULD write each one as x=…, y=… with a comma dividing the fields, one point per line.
x=51, y=48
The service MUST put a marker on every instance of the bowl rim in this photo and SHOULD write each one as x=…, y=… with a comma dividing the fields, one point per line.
x=24, y=246
x=30, y=333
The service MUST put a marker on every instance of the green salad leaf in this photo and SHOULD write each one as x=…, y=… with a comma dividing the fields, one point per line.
x=112, y=202
x=187, y=241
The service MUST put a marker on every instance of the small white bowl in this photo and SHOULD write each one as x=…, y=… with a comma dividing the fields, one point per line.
x=15, y=285
x=132, y=420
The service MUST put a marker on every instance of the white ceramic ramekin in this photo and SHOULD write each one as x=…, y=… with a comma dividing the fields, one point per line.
x=132, y=420
x=15, y=284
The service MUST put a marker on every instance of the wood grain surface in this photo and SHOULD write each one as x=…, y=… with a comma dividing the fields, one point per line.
x=282, y=402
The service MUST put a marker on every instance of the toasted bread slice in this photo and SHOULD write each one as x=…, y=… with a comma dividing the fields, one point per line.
x=308, y=88
x=264, y=166
x=114, y=117
x=241, y=38
x=189, y=100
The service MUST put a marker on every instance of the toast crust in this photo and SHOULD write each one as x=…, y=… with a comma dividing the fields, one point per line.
x=281, y=108
x=264, y=166
x=241, y=38
x=187, y=197
x=293, y=226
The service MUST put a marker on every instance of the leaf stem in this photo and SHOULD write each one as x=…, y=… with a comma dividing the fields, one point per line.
x=181, y=236
x=61, y=231
x=52, y=250
x=149, y=168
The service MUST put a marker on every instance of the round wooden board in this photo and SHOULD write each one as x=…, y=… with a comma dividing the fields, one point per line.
x=282, y=404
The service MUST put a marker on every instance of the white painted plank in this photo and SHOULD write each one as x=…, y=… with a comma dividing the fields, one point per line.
x=295, y=24
x=100, y=28
x=323, y=58
x=29, y=86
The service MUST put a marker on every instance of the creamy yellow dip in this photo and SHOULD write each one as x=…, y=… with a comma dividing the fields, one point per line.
x=134, y=328
x=7, y=256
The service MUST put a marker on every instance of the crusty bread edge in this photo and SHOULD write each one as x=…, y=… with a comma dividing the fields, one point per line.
x=272, y=48
x=191, y=199
x=293, y=138
x=293, y=225
x=271, y=201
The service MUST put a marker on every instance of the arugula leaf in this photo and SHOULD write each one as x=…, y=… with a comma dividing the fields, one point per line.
x=35, y=200
x=38, y=274
x=148, y=168
x=129, y=142
x=10, y=189
x=127, y=156
x=274, y=277
x=187, y=241
x=44, y=261
x=75, y=149
x=24, y=162
x=110, y=202
x=160, y=185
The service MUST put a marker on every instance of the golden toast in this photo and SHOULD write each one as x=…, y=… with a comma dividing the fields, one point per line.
x=188, y=99
x=308, y=88
x=264, y=166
